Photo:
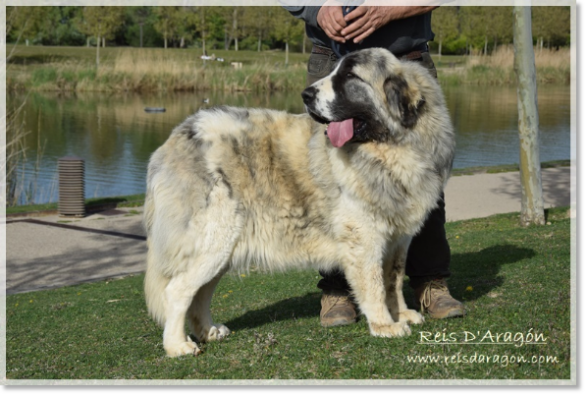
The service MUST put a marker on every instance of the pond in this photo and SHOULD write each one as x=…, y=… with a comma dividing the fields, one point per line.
x=115, y=136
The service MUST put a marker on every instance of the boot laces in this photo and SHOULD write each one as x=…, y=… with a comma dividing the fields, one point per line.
x=426, y=298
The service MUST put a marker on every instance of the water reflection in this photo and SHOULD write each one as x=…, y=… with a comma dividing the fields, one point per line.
x=486, y=123
x=116, y=136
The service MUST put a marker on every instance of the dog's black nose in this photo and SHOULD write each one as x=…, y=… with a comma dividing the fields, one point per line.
x=309, y=94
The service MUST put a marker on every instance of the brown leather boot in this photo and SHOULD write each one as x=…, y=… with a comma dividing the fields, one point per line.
x=435, y=298
x=338, y=309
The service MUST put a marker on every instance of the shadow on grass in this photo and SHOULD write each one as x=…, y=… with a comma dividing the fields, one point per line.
x=481, y=270
x=477, y=269
x=296, y=307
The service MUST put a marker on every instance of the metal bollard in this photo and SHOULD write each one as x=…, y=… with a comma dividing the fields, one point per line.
x=71, y=187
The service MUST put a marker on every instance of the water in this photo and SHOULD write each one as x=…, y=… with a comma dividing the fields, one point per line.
x=116, y=136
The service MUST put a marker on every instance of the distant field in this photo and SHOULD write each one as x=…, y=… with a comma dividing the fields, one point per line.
x=124, y=69
x=39, y=55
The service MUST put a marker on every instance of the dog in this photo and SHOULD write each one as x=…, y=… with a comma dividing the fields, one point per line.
x=345, y=185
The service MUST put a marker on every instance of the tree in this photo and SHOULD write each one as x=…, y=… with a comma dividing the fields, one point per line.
x=445, y=24
x=23, y=22
x=185, y=21
x=203, y=24
x=552, y=24
x=469, y=19
x=498, y=25
x=258, y=21
x=531, y=179
x=101, y=22
x=140, y=15
x=233, y=17
x=166, y=23
x=288, y=29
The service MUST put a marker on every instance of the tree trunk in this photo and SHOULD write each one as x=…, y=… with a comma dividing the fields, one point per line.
x=141, y=34
x=440, y=48
x=97, y=52
x=304, y=44
x=235, y=27
x=165, y=41
x=485, y=49
x=286, y=53
x=103, y=42
x=530, y=176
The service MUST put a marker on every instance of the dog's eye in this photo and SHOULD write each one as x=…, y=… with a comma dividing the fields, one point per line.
x=351, y=75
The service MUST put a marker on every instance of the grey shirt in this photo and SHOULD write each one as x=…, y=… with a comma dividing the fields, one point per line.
x=399, y=37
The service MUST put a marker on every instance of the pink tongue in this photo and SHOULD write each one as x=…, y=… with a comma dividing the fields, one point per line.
x=340, y=132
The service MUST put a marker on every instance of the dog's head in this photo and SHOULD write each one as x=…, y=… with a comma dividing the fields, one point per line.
x=370, y=96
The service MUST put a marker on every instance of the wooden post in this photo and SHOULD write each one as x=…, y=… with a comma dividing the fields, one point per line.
x=530, y=176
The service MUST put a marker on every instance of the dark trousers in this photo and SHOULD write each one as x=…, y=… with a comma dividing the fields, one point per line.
x=429, y=253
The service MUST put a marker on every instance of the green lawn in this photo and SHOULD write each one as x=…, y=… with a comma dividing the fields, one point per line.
x=512, y=279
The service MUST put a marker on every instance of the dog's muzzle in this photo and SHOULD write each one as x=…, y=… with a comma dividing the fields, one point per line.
x=309, y=95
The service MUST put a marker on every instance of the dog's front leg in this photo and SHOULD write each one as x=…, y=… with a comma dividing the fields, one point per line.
x=394, y=265
x=365, y=276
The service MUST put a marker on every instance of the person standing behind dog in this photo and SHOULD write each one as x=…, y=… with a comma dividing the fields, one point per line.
x=336, y=30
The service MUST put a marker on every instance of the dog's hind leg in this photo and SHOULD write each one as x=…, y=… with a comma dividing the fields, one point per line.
x=200, y=317
x=394, y=266
x=199, y=280
x=214, y=232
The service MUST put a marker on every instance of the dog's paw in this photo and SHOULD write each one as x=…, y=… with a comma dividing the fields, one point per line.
x=399, y=329
x=411, y=316
x=183, y=348
x=218, y=332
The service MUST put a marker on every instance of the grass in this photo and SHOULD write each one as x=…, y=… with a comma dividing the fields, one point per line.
x=512, y=279
x=505, y=168
x=72, y=69
x=91, y=204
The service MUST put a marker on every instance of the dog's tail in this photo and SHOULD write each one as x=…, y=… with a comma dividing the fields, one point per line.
x=155, y=284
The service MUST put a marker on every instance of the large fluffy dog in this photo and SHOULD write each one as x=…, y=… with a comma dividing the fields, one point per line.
x=233, y=187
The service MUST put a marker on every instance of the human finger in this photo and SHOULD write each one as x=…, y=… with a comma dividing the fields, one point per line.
x=356, y=13
x=355, y=28
x=363, y=36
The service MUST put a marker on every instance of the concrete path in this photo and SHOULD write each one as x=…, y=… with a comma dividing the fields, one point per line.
x=45, y=252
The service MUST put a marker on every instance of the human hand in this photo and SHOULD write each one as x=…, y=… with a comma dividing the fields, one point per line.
x=331, y=20
x=364, y=20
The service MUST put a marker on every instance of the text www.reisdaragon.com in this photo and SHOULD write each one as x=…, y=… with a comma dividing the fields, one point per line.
x=477, y=358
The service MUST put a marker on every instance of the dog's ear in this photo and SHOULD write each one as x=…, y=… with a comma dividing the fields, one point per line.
x=404, y=100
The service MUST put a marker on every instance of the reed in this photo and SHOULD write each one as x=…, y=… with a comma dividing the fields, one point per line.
x=15, y=152
x=22, y=172
x=552, y=67
x=154, y=71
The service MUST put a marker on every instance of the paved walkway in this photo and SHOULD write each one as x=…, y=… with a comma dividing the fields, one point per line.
x=46, y=252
